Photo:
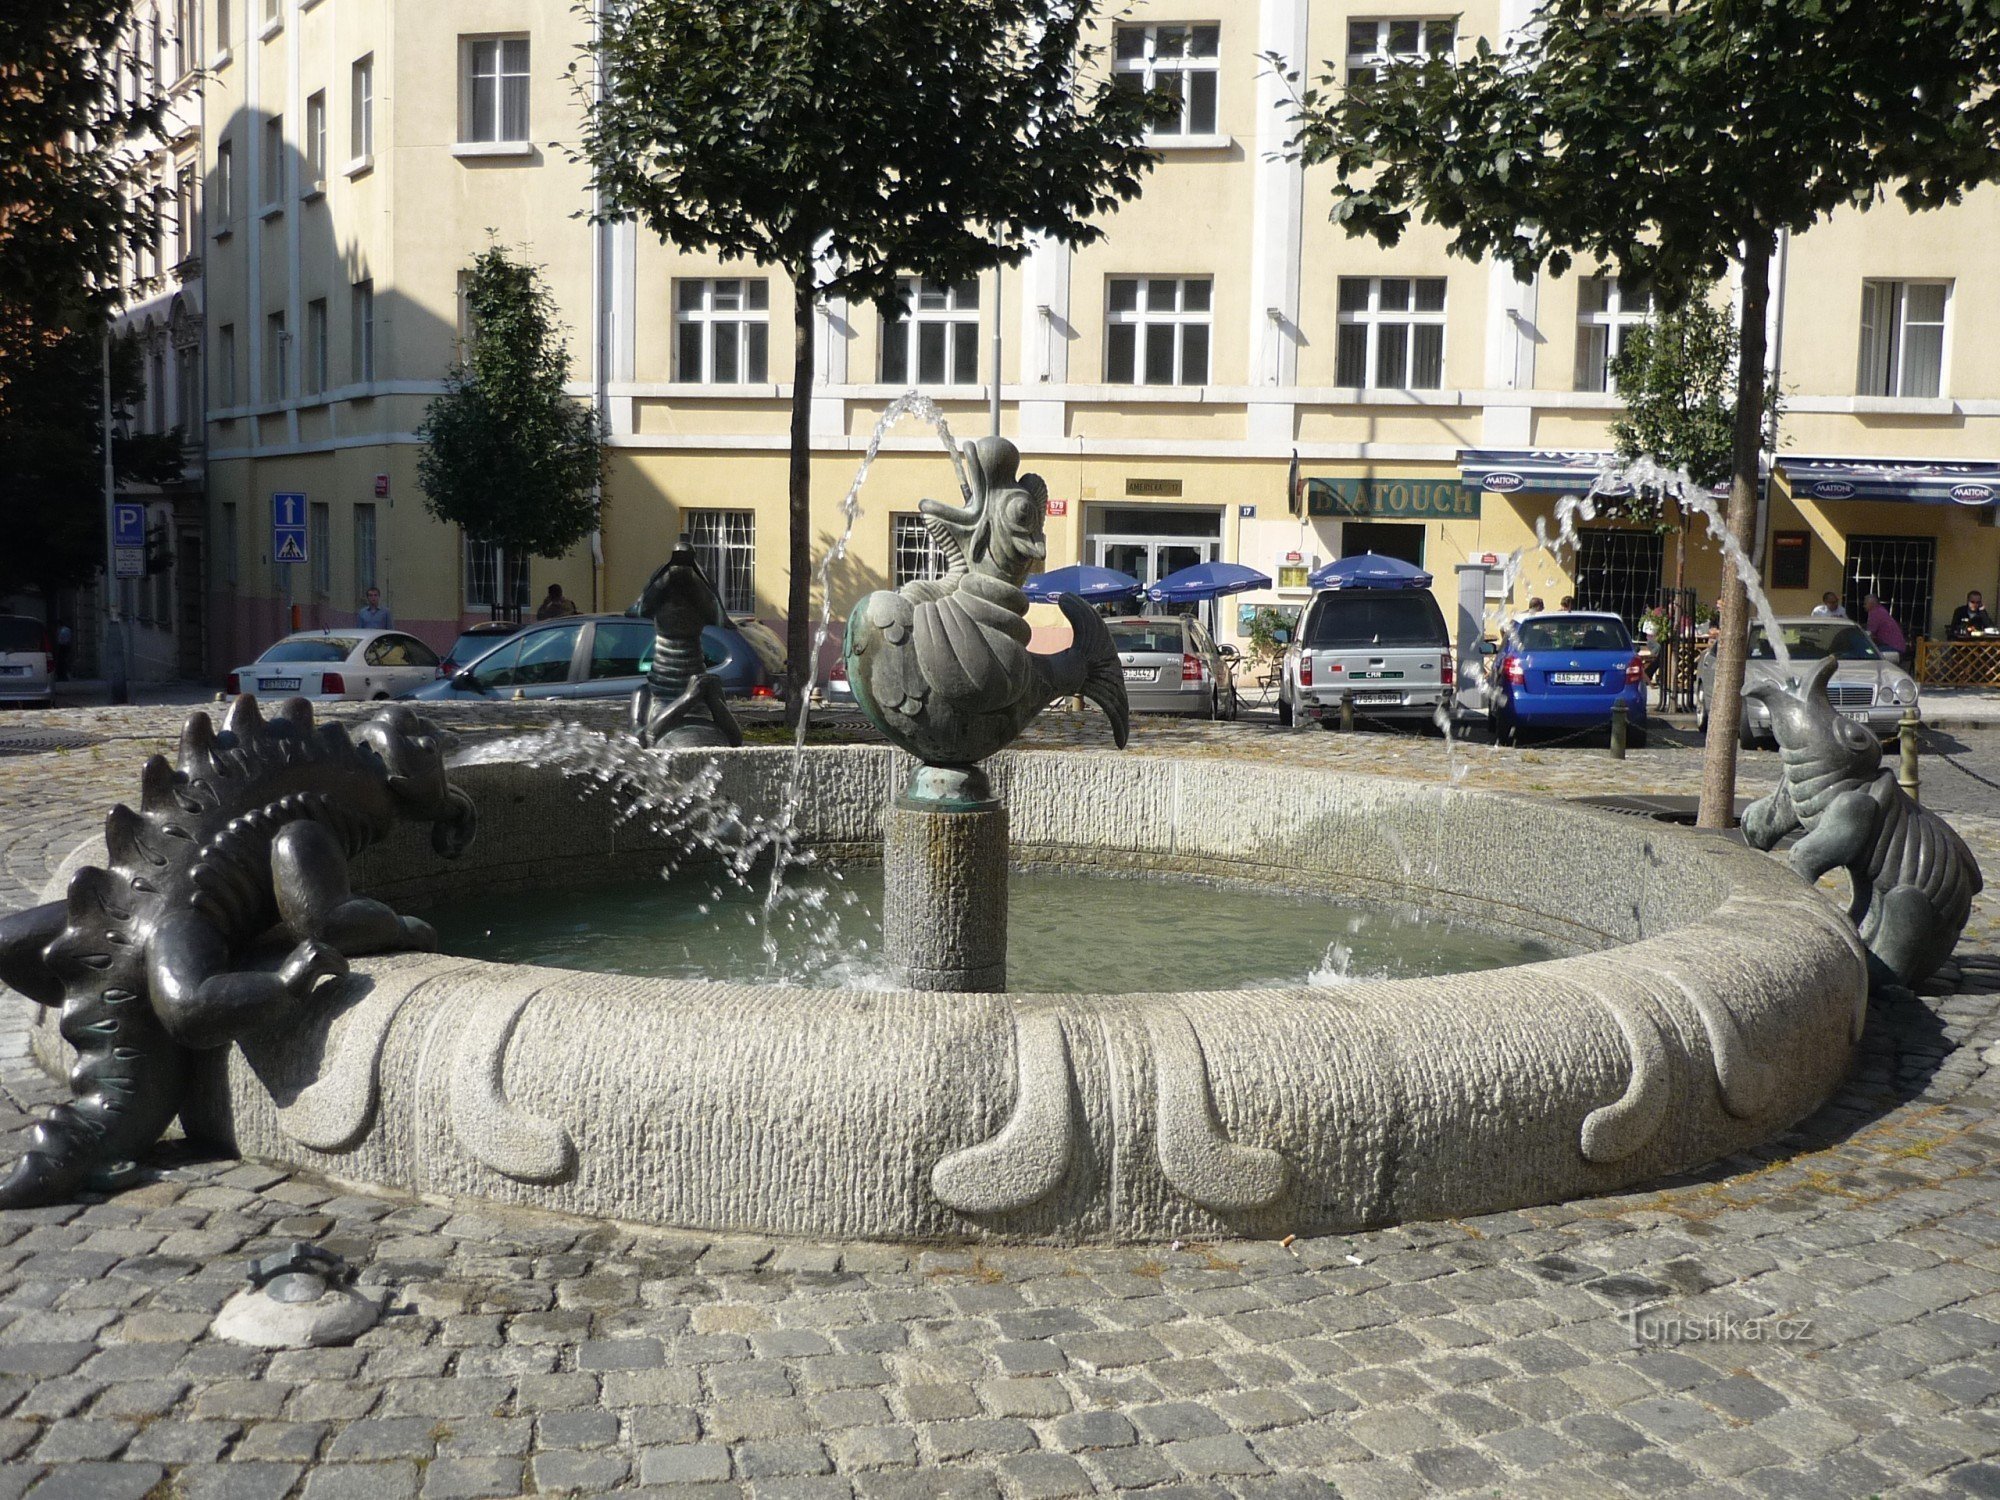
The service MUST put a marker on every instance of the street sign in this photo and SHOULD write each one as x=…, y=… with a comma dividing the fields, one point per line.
x=128, y=524
x=381, y=486
x=288, y=527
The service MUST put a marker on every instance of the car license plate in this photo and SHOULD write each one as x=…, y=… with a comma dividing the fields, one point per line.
x=1138, y=674
x=13, y=671
x=1859, y=715
x=1573, y=679
x=1375, y=676
x=278, y=684
x=1364, y=699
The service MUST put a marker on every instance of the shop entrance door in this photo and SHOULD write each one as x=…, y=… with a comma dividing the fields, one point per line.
x=1899, y=570
x=1402, y=540
x=1619, y=571
x=1151, y=543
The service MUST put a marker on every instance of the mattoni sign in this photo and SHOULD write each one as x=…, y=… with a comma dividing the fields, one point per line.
x=1973, y=494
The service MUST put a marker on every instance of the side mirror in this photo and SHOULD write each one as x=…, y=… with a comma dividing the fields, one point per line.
x=1489, y=648
x=1228, y=652
x=1894, y=658
x=464, y=679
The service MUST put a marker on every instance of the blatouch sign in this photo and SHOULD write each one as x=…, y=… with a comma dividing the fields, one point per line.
x=1398, y=499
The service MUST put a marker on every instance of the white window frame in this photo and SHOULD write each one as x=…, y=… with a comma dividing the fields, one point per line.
x=1437, y=36
x=225, y=187
x=313, y=373
x=315, y=144
x=474, y=52
x=1600, y=334
x=950, y=307
x=1165, y=60
x=1145, y=318
x=725, y=312
x=361, y=112
x=725, y=543
x=913, y=552
x=187, y=231
x=485, y=567
x=277, y=381
x=1885, y=367
x=273, y=185
x=361, y=333
x=225, y=365
x=1386, y=324
x=366, y=542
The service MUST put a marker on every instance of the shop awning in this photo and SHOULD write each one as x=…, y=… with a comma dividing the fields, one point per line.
x=1539, y=471
x=1913, y=483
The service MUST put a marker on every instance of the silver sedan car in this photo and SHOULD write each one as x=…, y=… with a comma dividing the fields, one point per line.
x=1867, y=686
x=1173, y=666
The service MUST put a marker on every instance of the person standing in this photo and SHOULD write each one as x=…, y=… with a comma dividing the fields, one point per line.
x=373, y=615
x=65, y=644
x=1881, y=626
x=1828, y=607
x=1969, y=617
x=556, y=604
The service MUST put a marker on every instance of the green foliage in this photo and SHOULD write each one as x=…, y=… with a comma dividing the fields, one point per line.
x=852, y=141
x=52, y=461
x=1270, y=629
x=1677, y=378
x=72, y=188
x=508, y=454
x=1661, y=137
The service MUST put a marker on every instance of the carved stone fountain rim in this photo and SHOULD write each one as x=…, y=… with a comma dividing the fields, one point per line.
x=1728, y=1015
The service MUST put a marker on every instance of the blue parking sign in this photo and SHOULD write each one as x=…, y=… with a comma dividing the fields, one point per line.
x=128, y=524
x=288, y=527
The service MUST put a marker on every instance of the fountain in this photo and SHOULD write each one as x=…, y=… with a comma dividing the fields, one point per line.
x=1649, y=1000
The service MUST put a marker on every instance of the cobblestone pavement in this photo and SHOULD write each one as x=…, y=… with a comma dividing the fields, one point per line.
x=1822, y=1316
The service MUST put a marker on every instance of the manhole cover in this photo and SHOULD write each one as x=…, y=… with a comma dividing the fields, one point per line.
x=34, y=741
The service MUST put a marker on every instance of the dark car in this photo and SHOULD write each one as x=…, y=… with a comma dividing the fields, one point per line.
x=474, y=642
x=590, y=656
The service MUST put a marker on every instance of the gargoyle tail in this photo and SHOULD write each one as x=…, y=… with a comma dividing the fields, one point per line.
x=1093, y=659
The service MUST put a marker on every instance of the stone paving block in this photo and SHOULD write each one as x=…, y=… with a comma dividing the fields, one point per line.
x=282, y=1442
x=1044, y=1476
x=572, y=1472
x=649, y=1425
x=692, y=1463
x=964, y=1439
x=1393, y=1430
x=238, y=1481
x=472, y=1479
x=1177, y=1420
x=937, y=1403
x=98, y=1481
x=384, y=1438
x=362, y=1481
x=929, y=1484
x=576, y=1429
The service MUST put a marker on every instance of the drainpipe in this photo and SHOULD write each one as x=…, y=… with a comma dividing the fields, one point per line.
x=999, y=274
x=600, y=298
x=114, y=629
x=1772, y=373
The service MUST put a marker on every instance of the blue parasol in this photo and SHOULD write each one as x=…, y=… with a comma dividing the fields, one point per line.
x=1370, y=570
x=1204, y=581
x=1082, y=580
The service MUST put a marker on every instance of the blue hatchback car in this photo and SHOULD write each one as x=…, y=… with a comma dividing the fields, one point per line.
x=1566, y=671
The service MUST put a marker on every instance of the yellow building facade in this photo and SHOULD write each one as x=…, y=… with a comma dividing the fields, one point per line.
x=358, y=153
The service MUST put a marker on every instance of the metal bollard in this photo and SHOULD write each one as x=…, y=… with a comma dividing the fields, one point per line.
x=1906, y=768
x=1346, y=711
x=1619, y=727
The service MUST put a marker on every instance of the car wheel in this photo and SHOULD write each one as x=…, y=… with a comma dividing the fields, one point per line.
x=1284, y=711
x=1700, y=709
x=1745, y=735
x=1235, y=703
x=1506, y=728
x=380, y=698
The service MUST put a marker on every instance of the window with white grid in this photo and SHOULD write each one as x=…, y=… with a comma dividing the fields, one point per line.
x=312, y=375
x=1380, y=42
x=1391, y=333
x=1902, y=337
x=1607, y=308
x=485, y=566
x=364, y=550
x=722, y=330
x=935, y=341
x=224, y=205
x=315, y=145
x=1156, y=330
x=1183, y=62
x=274, y=161
x=725, y=543
x=913, y=551
x=361, y=109
x=494, y=96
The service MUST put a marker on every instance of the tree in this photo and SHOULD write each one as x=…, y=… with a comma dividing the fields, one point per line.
x=74, y=191
x=1675, y=140
x=850, y=142
x=52, y=461
x=508, y=454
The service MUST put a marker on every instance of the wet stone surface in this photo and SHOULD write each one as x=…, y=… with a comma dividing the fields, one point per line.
x=1819, y=1318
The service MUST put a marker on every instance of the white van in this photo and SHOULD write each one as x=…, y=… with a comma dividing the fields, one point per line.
x=1388, y=648
x=27, y=662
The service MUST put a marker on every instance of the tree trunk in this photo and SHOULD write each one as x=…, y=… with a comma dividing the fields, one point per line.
x=798, y=586
x=1725, y=704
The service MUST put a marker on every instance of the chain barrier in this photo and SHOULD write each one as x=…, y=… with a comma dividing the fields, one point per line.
x=1928, y=740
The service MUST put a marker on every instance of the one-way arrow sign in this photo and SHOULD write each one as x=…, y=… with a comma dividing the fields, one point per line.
x=288, y=527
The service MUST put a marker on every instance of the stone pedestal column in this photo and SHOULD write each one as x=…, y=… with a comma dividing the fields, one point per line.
x=944, y=883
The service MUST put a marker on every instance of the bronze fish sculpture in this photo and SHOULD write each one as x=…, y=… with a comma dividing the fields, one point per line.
x=681, y=704
x=941, y=666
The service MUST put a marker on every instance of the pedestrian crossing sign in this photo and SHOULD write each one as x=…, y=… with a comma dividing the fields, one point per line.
x=288, y=528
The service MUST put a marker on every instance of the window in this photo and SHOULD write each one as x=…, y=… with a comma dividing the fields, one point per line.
x=273, y=12
x=275, y=338
x=361, y=349
x=186, y=230
x=1373, y=45
x=364, y=550
x=1391, y=333
x=722, y=331
x=1182, y=62
x=225, y=187
x=156, y=384
x=1902, y=337
x=222, y=27
x=485, y=566
x=229, y=542
x=1157, y=331
x=541, y=659
x=225, y=364
x=494, y=95
x=620, y=648
x=936, y=339
x=187, y=388
x=725, y=543
x=274, y=161
x=319, y=517
x=186, y=18
x=312, y=379
x=361, y=109
x=913, y=552
x=1607, y=308
x=315, y=144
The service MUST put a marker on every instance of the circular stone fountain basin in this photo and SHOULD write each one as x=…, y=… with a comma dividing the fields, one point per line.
x=1705, y=999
